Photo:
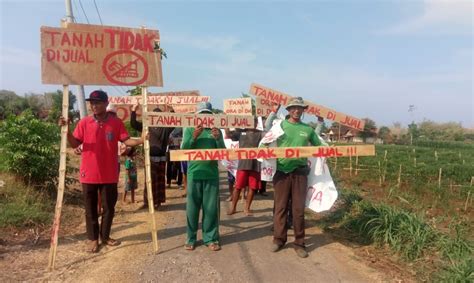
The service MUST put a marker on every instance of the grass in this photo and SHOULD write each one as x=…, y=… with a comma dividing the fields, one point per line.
x=22, y=206
x=438, y=256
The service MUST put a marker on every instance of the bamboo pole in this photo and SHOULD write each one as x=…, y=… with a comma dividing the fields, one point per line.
x=357, y=165
x=467, y=200
x=61, y=181
x=146, y=144
x=399, y=176
x=380, y=175
x=439, y=177
x=385, y=167
x=350, y=164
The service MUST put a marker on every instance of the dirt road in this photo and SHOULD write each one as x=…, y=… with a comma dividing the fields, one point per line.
x=245, y=254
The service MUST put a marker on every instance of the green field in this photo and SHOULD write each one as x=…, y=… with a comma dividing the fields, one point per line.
x=414, y=200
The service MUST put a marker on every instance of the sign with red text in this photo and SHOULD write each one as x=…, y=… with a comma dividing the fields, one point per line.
x=160, y=119
x=264, y=106
x=177, y=93
x=157, y=100
x=100, y=55
x=238, y=106
x=273, y=152
x=314, y=109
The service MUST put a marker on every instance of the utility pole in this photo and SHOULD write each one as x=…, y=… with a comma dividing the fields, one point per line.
x=81, y=102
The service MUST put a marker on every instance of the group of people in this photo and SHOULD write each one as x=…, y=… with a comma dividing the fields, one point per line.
x=100, y=133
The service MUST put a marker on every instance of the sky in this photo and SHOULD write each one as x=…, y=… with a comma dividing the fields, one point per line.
x=364, y=58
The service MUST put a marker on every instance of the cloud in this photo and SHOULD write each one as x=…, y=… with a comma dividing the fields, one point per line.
x=438, y=17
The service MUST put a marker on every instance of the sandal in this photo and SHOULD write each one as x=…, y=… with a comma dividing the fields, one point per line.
x=111, y=242
x=93, y=246
x=189, y=247
x=214, y=247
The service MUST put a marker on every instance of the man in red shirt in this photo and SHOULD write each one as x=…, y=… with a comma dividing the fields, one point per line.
x=99, y=135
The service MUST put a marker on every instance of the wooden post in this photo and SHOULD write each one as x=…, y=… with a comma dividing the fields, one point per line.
x=436, y=155
x=385, y=167
x=146, y=144
x=357, y=165
x=399, y=176
x=472, y=180
x=467, y=200
x=439, y=177
x=350, y=164
x=380, y=175
x=414, y=161
x=61, y=181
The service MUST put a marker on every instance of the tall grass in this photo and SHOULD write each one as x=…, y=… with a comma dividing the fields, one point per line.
x=412, y=238
x=22, y=206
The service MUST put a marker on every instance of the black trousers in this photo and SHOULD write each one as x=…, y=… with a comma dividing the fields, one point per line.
x=108, y=193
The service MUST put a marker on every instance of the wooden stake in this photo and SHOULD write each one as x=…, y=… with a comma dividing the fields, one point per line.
x=146, y=144
x=380, y=175
x=399, y=176
x=350, y=164
x=439, y=177
x=357, y=164
x=414, y=161
x=467, y=200
x=61, y=181
x=436, y=155
x=385, y=167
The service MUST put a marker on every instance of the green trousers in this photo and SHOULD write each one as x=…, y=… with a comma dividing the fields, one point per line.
x=205, y=194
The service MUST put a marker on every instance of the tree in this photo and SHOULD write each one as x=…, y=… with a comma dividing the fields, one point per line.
x=385, y=134
x=12, y=103
x=370, y=129
x=413, y=132
x=57, y=105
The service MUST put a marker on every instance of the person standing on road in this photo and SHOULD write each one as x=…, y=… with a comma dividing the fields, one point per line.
x=159, y=137
x=99, y=135
x=203, y=184
x=291, y=178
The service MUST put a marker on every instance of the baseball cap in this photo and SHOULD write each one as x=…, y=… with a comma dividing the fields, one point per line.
x=98, y=95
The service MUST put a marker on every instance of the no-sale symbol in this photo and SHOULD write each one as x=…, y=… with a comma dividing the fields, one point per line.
x=133, y=72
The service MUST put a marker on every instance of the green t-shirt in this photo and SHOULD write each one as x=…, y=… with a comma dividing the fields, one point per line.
x=296, y=135
x=202, y=170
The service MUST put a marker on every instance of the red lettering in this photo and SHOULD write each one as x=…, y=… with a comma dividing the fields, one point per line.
x=51, y=55
x=241, y=154
x=53, y=34
x=190, y=154
x=138, y=42
x=112, y=34
x=149, y=42
x=318, y=197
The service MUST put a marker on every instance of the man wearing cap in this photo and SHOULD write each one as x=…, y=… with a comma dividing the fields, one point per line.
x=99, y=135
x=159, y=137
x=203, y=184
x=291, y=178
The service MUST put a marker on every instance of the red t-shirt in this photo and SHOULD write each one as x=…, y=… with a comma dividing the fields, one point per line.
x=99, y=149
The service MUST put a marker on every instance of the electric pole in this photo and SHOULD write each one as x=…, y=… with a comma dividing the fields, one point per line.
x=81, y=102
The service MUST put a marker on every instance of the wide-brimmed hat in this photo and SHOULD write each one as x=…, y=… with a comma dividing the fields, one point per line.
x=296, y=101
x=204, y=107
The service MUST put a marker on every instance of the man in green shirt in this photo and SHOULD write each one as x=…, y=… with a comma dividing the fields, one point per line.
x=291, y=178
x=203, y=184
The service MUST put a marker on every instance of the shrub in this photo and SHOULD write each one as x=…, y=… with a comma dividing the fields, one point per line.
x=29, y=149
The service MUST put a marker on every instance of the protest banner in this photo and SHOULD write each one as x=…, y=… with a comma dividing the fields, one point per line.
x=264, y=106
x=161, y=119
x=273, y=152
x=313, y=108
x=100, y=55
x=238, y=106
x=158, y=100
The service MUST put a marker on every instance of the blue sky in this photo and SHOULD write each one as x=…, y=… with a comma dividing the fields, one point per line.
x=363, y=58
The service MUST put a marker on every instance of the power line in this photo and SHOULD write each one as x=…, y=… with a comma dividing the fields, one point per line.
x=84, y=12
x=97, y=9
x=75, y=7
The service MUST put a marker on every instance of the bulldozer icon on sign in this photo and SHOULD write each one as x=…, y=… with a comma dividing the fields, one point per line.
x=130, y=70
